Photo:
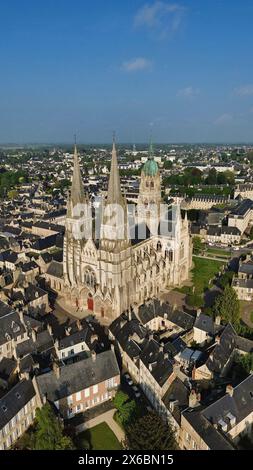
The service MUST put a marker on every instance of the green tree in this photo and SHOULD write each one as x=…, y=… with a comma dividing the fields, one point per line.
x=226, y=279
x=197, y=245
x=48, y=434
x=127, y=409
x=120, y=399
x=150, y=432
x=251, y=233
x=212, y=177
x=12, y=194
x=243, y=365
x=227, y=306
x=128, y=412
x=167, y=164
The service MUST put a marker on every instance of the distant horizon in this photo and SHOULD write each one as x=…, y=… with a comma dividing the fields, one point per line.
x=180, y=70
x=119, y=143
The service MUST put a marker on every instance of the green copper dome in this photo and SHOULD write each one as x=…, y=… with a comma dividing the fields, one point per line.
x=150, y=167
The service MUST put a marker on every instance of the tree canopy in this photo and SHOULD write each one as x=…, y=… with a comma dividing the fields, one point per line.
x=150, y=432
x=227, y=305
x=48, y=434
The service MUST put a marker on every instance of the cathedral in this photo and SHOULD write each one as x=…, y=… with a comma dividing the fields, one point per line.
x=121, y=256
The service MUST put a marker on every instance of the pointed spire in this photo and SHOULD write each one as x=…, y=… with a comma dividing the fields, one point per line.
x=77, y=194
x=151, y=150
x=114, y=195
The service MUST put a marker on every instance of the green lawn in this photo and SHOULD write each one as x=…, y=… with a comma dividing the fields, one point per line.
x=217, y=252
x=203, y=271
x=101, y=437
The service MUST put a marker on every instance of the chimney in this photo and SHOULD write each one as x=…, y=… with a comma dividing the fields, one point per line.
x=150, y=367
x=34, y=336
x=194, y=399
x=79, y=325
x=198, y=312
x=93, y=338
x=194, y=373
x=218, y=339
x=24, y=375
x=67, y=331
x=166, y=355
x=217, y=320
x=93, y=355
x=229, y=390
x=21, y=316
x=135, y=308
x=56, y=370
x=49, y=329
x=129, y=314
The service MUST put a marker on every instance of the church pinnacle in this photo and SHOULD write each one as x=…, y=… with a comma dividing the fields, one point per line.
x=114, y=195
x=77, y=194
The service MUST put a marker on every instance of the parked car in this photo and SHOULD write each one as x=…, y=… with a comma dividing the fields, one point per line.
x=128, y=379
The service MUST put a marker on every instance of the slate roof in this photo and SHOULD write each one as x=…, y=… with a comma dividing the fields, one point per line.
x=43, y=343
x=211, y=436
x=33, y=292
x=222, y=351
x=204, y=323
x=55, y=269
x=178, y=393
x=15, y=400
x=44, y=243
x=243, y=283
x=230, y=230
x=240, y=404
x=130, y=334
x=7, y=367
x=244, y=344
x=246, y=268
x=72, y=339
x=29, y=266
x=154, y=309
x=10, y=324
x=162, y=367
x=242, y=208
x=78, y=376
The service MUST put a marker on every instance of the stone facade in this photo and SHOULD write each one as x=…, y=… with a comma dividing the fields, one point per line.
x=106, y=274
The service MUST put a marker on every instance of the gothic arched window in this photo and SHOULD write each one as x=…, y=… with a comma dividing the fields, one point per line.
x=159, y=246
x=89, y=278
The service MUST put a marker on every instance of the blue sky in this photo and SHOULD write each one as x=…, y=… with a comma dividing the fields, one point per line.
x=181, y=70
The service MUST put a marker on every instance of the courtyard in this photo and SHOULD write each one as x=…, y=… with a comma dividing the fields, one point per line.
x=99, y=437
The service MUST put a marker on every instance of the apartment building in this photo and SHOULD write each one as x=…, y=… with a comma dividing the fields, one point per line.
x=76, y=387
x=17, y=412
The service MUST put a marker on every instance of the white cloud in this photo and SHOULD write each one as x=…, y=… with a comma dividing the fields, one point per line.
x=188, y=92
x=162, y=16
x=245, y=90
x=223, y=119
x=139, y=63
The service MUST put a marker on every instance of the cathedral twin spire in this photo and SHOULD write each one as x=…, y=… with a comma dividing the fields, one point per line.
x=114, y=195
x=77, y=194
x=114, y=198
